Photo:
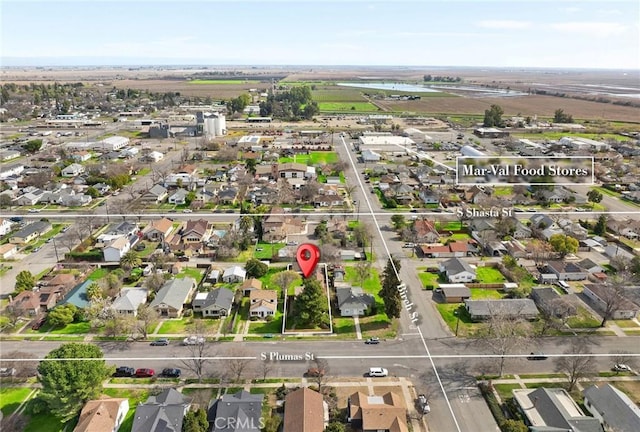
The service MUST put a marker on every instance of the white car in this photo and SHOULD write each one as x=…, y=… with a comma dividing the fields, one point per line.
x=619, y=367
x=193, y=340
x=378, y=372
x=187, y=211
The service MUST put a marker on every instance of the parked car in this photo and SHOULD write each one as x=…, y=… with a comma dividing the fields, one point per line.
x=160, y=342
x=38, y=323
x=36, y=249
x=314, y=372
x=193, y=340
x=124, y=371
x=378, y=372
x=409, y=245
x=538, y=356
x=144, y=373
x=423, y=404
x=619, y=367
x=7, y=372
x=171, y=373
x=372, y=341
x=187, y=211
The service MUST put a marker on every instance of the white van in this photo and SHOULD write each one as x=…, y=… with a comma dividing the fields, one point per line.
x=564, y=286
x=378, y=372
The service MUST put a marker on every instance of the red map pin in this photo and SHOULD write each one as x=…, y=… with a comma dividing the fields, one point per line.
x=308, y=256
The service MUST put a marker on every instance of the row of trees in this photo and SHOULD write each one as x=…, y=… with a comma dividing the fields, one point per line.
x=493, y=117
x=295, y=104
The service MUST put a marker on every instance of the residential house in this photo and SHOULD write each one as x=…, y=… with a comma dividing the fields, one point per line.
x=453, y=249
x=196, y=232
x=72, y=170
x=158, y=230
x=455, y=293
x=234, y=274
x=553, y=409
x=484, y=309
x=154, y=156
x=170, y=300
x=428, y=196
x=75, y=200
x=603, y=295
x=164, y=412
x=7, y=171
x=239, y=412
x=128, y=301
x=370, y=156
x=102, y=415
x=179, y=197
x=5, y=226
x=30, y=232
x=551, y=303
x=116, y=249
x=30, y=198
x=102, y=188
x=590, y=267
x=566, y=270
x=377, y=413
x=615, y=410
x=573, y=229
x=156, y=194
x=263, y=303
x=521, y=231
x=227, y=195
x=615, y=250
x=305, y=411
x=425, y=231
x=81, y=156
x=353, y=301
x=401, y=193
x=457, y=270
x=115, y=230
x=185, y=176
x=7, y=250
x=277, y=225
x=27, y=303
x=215, y=303
x=250, y=285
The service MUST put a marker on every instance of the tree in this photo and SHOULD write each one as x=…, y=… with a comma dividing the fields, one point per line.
x=398, y=222
x=94, y=291
x=284, y=279
x=321, y=231
x=560, y=117
x=322, y=375
x=601, y=226
x=250, y=165
x=256, y=268
x=147, y=319
x=594, y=196
x=130, y=260
x=310, y=307
x=68, y=384
x=511, y=425
x=62, y=315
x=335, y=426
x=242, y=359
x=154, y=282
x=33, y=146
x=389, y=292
x=503, y=332
x=564, y=244
x=266, y=367
x=24, y=281
x=195, y=421
x=577, y=362
x=611, y=295
x=363, y=271
x=493, y=116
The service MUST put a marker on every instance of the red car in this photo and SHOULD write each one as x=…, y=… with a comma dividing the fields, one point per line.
x=145, y=373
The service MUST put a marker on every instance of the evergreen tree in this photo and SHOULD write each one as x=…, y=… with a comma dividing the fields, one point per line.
x=601, y=225
x=195, y=421
x=24, y=281
x=310, y=307
x=389, y=292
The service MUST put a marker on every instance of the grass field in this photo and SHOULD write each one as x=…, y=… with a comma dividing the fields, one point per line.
x=489, y=275
x=429, y=279
x=135, y=397
x=265, y=251
x=11, y=398
x=313, y=158
x=191, y=272
x=347, y=107
x=482, y=294
x=338, y=94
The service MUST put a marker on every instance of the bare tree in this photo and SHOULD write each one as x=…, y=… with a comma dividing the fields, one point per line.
x=284, y=279
x=321, y=372
x=198, y=357
x=266, y=367
x=363, y=271
x=147, y=319
x=612, y=295
x=154, y=282
x=13, y=314
x=577, y=363
x=240, y=363
x=504, y=331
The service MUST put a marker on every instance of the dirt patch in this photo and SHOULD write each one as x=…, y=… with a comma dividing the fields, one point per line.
x=631, y=388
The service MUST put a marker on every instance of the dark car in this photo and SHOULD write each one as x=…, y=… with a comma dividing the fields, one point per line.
x=160, y=342
x=124, y=371
x=144, y=373
x=538, y=356
x=171, y=373
x=314, y=372
x=372, y=341
x=38, y=323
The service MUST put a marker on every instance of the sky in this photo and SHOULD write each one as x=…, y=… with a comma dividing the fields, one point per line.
x=481, y=33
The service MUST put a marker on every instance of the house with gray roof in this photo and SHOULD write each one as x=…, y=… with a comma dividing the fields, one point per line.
x=129, y=300
x=239, y=412
x=215, y=303
x=553, y=304
x=162, y=413
x=566, y=270
x=30, y=232
x=156, y=194
x=179, y=197
x=234, y=274
x=515, y=308
x=553, y=409
x=353, y=300
x=615, y=410
x=457, y=270
x=170, y=300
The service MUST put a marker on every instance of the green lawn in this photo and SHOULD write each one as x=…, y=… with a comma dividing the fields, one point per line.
x=313, y=158
x=191, y=272
x=504, y=390
x=343, y=325
x=489, y=275
x=45, y=422
x=449, y=226
x=175, y=326
x=502, y=190
x=347, y=107
x=481, y=294
x=429, y=279
x=222, y=81
x=264, y=251
x=74, y=328
x=98, y=274
x=458, y=237
x=149, y=247
x=583, y=319
x=274, y=326
x=465, y=326
x=11, y=398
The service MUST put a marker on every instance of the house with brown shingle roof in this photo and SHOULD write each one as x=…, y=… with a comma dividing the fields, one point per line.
x=250, y=285
x=263, y=303
x=425, y=231
x=27, y=303
x=156, y=230
x=305, y=411
x=377, y=413
x=102, y=415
